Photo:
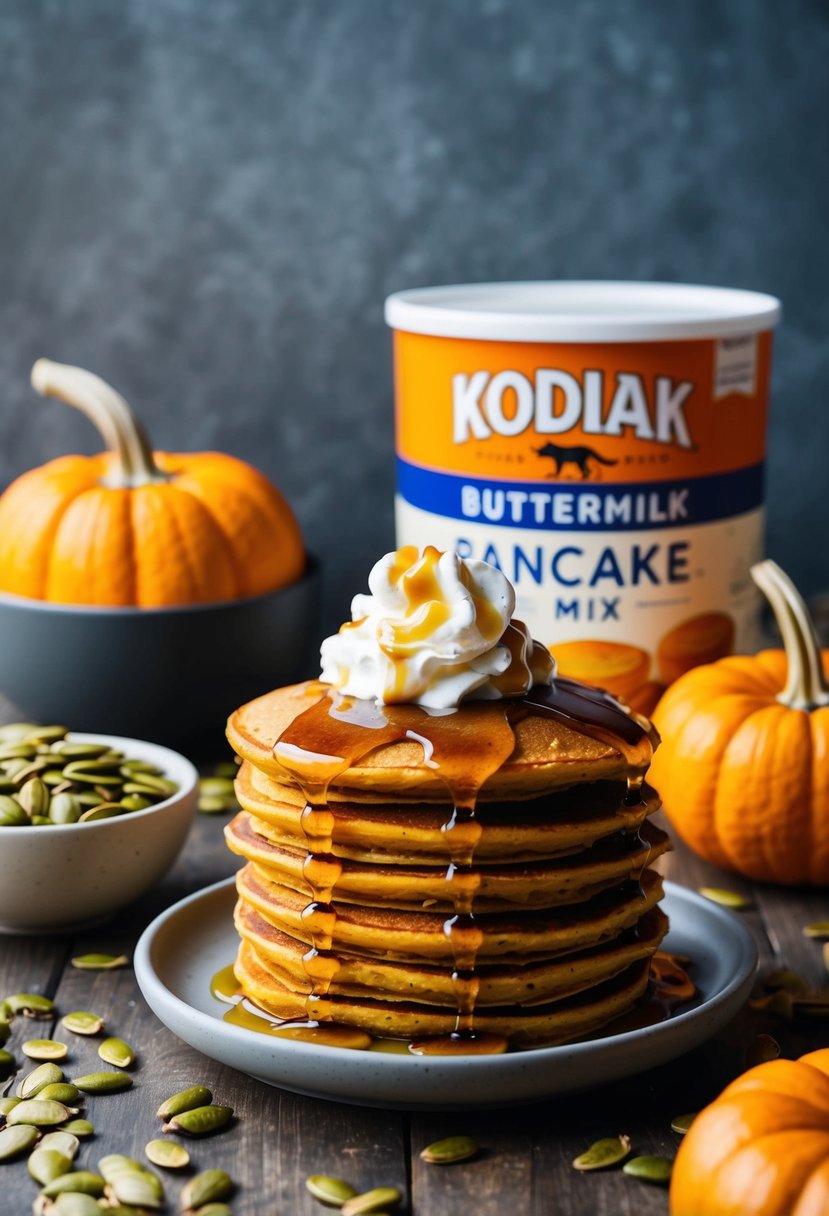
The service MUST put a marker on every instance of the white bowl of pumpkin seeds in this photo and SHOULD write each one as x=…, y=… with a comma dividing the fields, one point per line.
x=87, y=824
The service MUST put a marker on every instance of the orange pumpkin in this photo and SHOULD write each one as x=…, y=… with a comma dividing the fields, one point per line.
x=135, y=527
x=743, y=769
x=762, y=1147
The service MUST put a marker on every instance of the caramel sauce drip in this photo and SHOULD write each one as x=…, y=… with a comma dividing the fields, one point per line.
x=465, y=750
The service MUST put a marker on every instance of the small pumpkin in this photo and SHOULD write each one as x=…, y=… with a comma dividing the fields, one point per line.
x=135, y=527
x=762, y=1147
x=743, y=769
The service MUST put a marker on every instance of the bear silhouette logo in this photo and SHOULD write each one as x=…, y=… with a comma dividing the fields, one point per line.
x=579, y=456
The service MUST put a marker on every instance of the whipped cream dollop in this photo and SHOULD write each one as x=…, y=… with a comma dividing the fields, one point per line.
x=436, y=628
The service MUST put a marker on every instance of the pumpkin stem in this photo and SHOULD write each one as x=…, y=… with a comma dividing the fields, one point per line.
x=806, y=687
x=109, y=412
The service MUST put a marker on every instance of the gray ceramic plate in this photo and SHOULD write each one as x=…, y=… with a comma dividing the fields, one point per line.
x=184, y=947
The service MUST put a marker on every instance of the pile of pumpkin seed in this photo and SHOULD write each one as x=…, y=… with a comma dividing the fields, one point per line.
x=46, y=778
x=217, y=793
x=44, y=1119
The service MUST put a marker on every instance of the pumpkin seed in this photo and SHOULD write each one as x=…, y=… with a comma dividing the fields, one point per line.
x=81, y=1022
x=333, y=1191
x=64, y=1142
x=39, y=1112
x=64, y=808
x=73, y=1203
x=104, y=810
x=818, y=929
x=16, y=1140
x=200, y=1121
x=47, y=734
x=147, y=783
x=117, y=1053
x=38, y=1079
x=18, y=751
x=649, y=1169
x=79, y=1127
x=725, y=898
x=372, y=1201
x=5, y=1030
x=213, y=806
x=41, y=821
x=30, y=1004
x=168, y=1154
x=779, y=1004
x=450, y=1150
x=217, y=787
x=16, y=732
x=12, y=814
x=87, y=798
x=92, y=772
x=54, y=778
x=60, y=1091
x=140, y=766
x=208, y=1187
x=188, y=1099
x=135, y=802
x=7, y=1104
x=130, y=1182
x=31, y=768
x=34, y=797
x=788, y=981
x=80, y=751
x=46, y=1164
x=44, y=1049
x=84, y=1182
x=6, y=1062
x=100, y=962
x=603, y=1154
x=762, y=1049
x=681, y=1123
x=103, y=1082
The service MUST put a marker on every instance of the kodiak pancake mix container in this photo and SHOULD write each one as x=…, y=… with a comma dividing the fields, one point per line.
x=603, y=445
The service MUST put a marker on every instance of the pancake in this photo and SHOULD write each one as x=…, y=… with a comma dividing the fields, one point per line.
x=571, y=879
x=530, y=983
x=405, y=830
x=547, y=754
x=395, y=933
x=541, y=1025
x=470, y=873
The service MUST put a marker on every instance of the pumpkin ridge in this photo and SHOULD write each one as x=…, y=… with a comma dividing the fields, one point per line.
x=199, y=583
x=804, y=1165
x=819, y=795
x=238, y=574
x=280, y=555
x=25, y=487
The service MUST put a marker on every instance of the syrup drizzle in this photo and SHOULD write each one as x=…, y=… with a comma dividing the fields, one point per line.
x=465, y=750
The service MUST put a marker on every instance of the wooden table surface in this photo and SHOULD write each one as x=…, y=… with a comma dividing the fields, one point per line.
x=279, y=1138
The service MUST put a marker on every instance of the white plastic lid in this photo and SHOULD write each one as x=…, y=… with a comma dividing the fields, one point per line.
x=573, y=311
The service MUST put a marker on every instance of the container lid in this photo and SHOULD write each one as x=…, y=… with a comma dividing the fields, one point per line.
x=573, y=311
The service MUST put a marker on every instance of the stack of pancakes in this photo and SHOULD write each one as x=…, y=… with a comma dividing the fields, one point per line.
x=564, y=906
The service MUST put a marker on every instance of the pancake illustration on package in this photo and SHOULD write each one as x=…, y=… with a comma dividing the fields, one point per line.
x=447, y=845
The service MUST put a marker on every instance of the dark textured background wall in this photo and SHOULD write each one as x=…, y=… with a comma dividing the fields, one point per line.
x=206, y=201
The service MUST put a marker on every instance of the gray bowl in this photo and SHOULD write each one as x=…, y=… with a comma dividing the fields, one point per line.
x=164, y=674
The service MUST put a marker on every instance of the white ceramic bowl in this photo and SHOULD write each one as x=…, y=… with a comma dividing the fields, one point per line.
x=64, y=876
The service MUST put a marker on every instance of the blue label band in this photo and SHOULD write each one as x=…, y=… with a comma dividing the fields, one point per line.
x=576, y=506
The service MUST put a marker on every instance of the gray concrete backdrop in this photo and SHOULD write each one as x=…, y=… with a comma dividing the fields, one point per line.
x=206, y=201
